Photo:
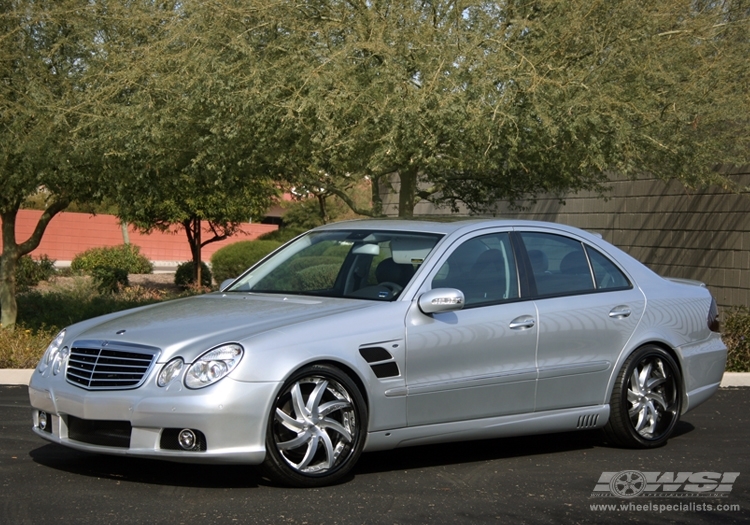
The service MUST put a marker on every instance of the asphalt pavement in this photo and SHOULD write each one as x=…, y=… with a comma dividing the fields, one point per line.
x=538, y=479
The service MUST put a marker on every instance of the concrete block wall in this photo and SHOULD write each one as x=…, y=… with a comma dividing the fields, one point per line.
x=702, y=235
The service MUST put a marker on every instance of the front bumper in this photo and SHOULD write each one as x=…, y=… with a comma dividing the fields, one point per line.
x=232, y=415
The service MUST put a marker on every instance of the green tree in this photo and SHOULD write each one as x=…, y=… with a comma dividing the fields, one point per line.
x=474, y=102
x=47, y=63
x=188, y=130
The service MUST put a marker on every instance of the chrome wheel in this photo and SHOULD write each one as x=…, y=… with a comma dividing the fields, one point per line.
x=646, y=400
x=316, y=431
x=651, y=393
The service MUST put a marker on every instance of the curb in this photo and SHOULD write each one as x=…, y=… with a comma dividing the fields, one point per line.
x=22, y=377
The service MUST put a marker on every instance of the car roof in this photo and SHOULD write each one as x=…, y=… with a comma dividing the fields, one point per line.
x=449, y=226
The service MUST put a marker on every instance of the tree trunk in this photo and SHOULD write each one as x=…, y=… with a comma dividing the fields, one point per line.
x=8, y=261
x=193, y=230
x=408, y=192
x=125, y=235
x=12, y=251
x=323, y=211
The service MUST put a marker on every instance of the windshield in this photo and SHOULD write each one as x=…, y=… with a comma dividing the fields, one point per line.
x=363, y=264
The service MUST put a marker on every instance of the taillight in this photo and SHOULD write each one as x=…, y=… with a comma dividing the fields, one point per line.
x=713, y=316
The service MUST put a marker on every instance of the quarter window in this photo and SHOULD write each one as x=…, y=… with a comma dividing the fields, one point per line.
x=608, y=276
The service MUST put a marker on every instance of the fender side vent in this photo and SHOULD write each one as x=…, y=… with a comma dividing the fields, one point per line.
x=373, y=354
x=385, y=370
x=381, y=361
x=587, y=421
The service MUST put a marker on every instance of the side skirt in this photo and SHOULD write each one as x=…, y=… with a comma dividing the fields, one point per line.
x=564, y=420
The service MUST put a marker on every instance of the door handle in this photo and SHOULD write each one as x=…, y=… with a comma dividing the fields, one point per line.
x=522, y=323
x=620, y=312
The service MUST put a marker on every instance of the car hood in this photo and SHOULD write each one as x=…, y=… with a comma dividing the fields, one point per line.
x=191, y=326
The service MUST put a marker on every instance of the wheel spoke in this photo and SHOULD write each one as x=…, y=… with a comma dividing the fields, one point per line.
x=297, y=442
x=328, y=446
x=288, y=421
x=333, y=406
x=635, y=385
x=643, y=377
x=313, y=401
x=299, y=403
x=659, y=398
x=312, y=448
x=337, y=427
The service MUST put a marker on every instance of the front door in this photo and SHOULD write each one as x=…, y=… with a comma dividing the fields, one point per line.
x=480, y=361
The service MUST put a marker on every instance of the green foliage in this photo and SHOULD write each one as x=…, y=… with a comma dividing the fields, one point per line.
x=231, y=260
x=184, y=276
x=736, y=335
x=319, y=277
x=125, y=257
x=109, y=279
x=76, y=301
x=282, y=235
x=30, y=272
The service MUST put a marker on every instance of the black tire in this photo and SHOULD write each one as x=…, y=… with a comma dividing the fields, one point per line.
x=316, y=429
x=646, y=400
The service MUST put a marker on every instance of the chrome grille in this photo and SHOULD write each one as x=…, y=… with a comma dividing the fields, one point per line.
x=104, y=365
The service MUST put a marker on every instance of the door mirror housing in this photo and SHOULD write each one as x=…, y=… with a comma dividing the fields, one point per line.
x=441, y=300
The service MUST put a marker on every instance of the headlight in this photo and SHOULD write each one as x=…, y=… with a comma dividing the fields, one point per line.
x=170, y=371
x=60, y=360
x=51, y=352
x=213, y=365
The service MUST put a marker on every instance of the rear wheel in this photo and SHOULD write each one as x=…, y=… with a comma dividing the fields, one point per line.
x=646, y=400
x=317, y=428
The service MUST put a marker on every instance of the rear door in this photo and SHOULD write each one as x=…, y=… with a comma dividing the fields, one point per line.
x=588, y=310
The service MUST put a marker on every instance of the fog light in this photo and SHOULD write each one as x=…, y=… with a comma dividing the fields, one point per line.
x=43, y=420
x=186, y=438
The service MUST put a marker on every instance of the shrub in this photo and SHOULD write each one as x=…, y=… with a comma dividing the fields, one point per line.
x=74, y=300
x=109, y=280
x=282, y=235
x=321, y=277
x=183, y=277
x=22, y=348
x=736, y=335
x=233, y=259
x=125, y=257
x=30, y=272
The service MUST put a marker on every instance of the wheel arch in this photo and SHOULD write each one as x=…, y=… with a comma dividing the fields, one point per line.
x=344, y=367
x=669, y=349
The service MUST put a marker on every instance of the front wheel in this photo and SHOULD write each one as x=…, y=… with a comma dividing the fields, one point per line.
x=646, y=400
x=316, y=429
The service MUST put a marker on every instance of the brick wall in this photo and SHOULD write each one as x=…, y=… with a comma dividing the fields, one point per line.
x=702, y=235
x=71, y=233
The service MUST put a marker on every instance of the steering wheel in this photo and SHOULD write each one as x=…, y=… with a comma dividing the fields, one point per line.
x=394, y=288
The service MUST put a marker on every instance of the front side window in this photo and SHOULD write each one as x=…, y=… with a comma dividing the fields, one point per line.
x=360, y=264
x=483, y=268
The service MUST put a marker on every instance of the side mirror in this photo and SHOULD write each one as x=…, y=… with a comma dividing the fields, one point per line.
x=224, y=284
x=441, y=300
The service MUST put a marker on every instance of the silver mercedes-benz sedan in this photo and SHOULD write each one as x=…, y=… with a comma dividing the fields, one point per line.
x=371, y=335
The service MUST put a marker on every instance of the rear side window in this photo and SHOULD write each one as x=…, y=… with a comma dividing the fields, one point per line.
x=559, y=265
x=483, y=268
